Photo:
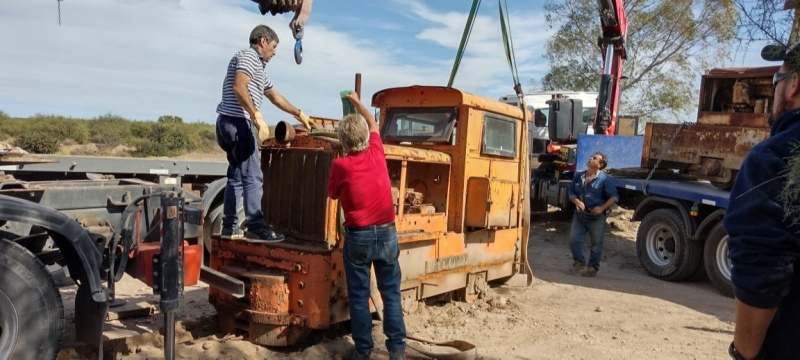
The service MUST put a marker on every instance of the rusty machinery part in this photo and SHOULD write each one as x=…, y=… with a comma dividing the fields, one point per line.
x=278, y=6
x=284, y=132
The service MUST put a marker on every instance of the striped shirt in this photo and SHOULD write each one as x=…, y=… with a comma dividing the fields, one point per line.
x=251, y=63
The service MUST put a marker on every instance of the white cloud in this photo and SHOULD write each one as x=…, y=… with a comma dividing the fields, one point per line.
x=148, y=58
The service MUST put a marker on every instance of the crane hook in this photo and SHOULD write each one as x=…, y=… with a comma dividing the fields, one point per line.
x=298, y=46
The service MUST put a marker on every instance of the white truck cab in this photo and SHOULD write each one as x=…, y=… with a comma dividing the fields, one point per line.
x=538, y=101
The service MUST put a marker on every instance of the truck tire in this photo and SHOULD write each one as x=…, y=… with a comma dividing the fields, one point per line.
x=663, y=248
x=718, y=266
x=31, y=311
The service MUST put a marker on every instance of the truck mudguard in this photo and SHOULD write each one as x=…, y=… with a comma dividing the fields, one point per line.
x=656, y=202
x=82, y=256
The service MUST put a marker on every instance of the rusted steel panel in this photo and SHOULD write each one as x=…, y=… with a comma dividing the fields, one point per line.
x=303, y=140
x=308, y=277
x=295, y=191
x=728, y=144
x=396, y=152
x=14, y=158
x=733, y=119
x=746, y=72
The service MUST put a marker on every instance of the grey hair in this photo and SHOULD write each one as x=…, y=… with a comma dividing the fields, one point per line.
x=263, y=31
x=353, y=133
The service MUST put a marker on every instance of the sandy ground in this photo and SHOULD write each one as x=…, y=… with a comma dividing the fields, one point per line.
x=620, y=314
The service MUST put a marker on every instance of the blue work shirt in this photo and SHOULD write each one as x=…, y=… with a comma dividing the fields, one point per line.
x=764, y=246
x=596, y=192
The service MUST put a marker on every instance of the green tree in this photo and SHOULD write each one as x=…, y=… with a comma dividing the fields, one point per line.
x=669, y=43
x=764, y=20
x=36, y=143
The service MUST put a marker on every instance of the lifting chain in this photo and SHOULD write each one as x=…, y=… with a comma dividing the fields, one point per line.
x=661, y=154
x=59, y=11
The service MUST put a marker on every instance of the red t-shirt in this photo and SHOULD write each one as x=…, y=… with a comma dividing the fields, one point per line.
x=361, y=183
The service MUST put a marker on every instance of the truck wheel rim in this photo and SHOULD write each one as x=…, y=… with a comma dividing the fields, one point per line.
x=660, y=245
x=723, y=263
x=9, y=326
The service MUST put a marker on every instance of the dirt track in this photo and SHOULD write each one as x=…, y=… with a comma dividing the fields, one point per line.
x=620, y=314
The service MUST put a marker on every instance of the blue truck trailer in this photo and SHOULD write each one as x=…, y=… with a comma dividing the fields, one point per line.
x=680, y=230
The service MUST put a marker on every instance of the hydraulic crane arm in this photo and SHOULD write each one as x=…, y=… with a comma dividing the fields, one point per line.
x=612, y=44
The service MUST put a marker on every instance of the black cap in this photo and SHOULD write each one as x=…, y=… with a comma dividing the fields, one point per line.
x=779, y=52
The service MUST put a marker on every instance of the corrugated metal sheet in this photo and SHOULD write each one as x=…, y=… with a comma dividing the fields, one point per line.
x=295, y=191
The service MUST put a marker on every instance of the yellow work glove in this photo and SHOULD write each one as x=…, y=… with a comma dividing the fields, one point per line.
x=307, y=122
x=262, y=130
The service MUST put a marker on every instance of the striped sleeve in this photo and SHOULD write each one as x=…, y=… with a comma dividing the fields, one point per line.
x=248, y=62
x=267, y=84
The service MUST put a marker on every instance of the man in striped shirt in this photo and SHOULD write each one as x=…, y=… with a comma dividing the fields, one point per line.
x=239, y=124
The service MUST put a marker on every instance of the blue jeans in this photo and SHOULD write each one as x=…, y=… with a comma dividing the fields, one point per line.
x=235, y=136
x=377, y=248
x=595, y=226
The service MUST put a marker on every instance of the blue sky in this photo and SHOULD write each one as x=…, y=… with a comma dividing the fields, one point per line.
x=146, y=58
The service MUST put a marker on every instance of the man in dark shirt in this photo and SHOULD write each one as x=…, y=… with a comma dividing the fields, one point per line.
x=592, y=192
x=763, y=242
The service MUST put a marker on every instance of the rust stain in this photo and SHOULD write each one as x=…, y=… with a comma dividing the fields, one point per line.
x=729, y=144
x=733, y=119
x=268, y=294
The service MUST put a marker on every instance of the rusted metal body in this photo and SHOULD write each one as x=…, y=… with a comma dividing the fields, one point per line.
x=735, y=105
x=460, y=216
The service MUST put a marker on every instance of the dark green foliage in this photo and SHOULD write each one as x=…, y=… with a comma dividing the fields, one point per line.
x=110, y=130
x=790, y=195
x=169, y=136
x=141, y=130
x=37, y=144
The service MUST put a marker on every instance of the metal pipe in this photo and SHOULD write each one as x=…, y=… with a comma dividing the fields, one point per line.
x=358, y=85
x=609, y=59
x=169, y=335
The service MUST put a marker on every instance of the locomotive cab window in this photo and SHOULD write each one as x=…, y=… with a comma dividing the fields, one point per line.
x=420, y=124
x=499, y=136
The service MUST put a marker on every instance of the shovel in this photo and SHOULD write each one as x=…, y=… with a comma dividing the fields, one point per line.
x=463, y=349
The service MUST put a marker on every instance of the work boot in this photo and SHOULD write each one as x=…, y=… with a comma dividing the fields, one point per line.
x=355, y=355
x=227, y=233
x=397, y=354
x=590, y=272
x=265, y=234
x=577, y=267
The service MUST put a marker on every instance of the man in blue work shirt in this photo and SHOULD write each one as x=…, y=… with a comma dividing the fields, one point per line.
x=763, y=242
x=592, y=192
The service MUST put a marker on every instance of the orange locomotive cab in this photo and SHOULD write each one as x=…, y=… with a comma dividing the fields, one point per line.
x=458, y=167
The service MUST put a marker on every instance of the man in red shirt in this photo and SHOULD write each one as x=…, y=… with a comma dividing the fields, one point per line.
x=360, y=180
